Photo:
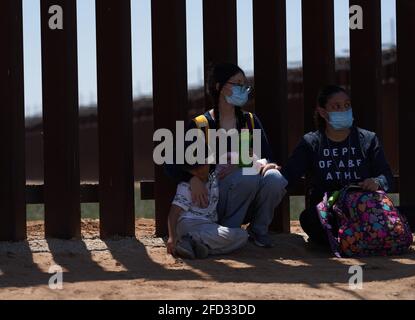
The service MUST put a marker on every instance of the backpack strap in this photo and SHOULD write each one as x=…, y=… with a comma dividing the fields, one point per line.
x=202, y=122
x=250, y=122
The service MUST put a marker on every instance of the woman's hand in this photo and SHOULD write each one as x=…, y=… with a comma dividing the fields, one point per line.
x=369, y=185
x=199, y=192
x=269, y=166
x=227, y=170
x=171, y=246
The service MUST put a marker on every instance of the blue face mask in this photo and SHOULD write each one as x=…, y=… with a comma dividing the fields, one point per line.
x=239, y=96
x=341, y=120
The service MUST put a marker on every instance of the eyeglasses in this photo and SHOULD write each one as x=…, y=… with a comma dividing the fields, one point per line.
x=249, y=89
x=339, y=107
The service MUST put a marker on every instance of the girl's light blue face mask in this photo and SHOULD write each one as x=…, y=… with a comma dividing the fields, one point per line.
x=341, y=120
x=239, y=96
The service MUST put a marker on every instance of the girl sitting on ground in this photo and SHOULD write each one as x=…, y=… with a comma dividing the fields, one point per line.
x=243, y=198
x=336, y=155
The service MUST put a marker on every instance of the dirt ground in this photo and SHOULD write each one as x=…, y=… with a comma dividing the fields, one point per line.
x=141, y=269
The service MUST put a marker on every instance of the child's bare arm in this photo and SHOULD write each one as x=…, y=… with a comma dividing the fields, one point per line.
x=174, y=214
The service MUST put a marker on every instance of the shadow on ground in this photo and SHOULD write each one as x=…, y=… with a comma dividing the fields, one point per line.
x=292, y=261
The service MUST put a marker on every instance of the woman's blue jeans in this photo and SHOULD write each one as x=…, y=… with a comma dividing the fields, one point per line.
x=255, y=195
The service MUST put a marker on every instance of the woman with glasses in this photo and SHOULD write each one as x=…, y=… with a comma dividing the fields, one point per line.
x=243, y=198
x=338, y=154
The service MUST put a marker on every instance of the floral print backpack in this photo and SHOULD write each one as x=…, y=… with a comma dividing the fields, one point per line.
x=368, y=222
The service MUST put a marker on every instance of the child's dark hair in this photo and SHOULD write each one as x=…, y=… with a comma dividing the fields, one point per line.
x=323, y=97
x=220, y=74
x=189, y=167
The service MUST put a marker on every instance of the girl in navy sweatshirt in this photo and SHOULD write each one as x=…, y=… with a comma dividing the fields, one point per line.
x=336, y=155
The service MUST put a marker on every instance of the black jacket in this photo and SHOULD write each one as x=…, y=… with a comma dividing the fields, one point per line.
x=327, y=163
x=179, y=174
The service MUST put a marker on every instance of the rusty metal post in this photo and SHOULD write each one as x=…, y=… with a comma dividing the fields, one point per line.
x=318, y=53
x=270, y=65
x=366, y=66
x=12, y=128
x=115, y=121
x=319, y=66
x=60, y=118
x=405, y=10
x=169, y=87
x=219, y=35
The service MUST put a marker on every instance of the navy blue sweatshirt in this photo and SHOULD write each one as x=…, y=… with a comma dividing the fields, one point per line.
x=331, y=165
x=179, y=174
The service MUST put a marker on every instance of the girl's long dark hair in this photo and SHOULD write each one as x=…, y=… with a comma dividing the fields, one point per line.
x=220, y=74
x=323, y=97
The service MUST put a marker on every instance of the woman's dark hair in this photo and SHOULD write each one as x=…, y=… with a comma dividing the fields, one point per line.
x=323, y=97
x=220, y=74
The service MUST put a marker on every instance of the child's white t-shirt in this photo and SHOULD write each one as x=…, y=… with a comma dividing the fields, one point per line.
x=183, y=199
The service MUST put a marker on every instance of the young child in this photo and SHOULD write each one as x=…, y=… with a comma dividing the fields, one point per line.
x=194, y=231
